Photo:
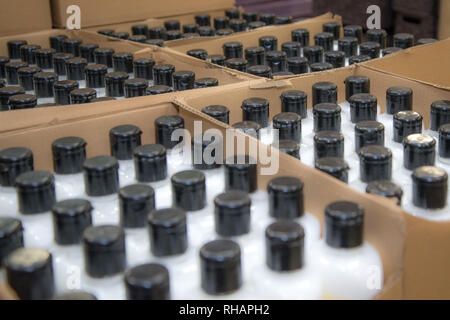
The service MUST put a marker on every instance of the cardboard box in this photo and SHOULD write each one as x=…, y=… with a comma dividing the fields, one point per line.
x=428, y=64
x=444, y=18
x=426, y=262
x=214, y=44
x=21, y=16
x=102, y=12
x=384, y=223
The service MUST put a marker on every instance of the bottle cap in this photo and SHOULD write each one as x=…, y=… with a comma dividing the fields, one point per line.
x=147, y=282
x=136, y=201
x=344, y=224
x=35, y=192
x=286, y=198
x=232, y=213
x=101, y=176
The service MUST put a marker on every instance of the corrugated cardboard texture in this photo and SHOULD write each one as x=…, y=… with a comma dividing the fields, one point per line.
x=384, y=225
x=427, y=63
x=102, y=12
x=20, y=16
x=214, y=44
x=427, y=263
x=444, y=18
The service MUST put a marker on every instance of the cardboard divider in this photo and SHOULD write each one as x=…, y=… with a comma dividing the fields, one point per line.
x=426, y=264
x=426, y=63
x=384, y=225
x=214, y=44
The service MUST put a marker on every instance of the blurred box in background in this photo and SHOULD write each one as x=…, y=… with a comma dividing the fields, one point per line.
x=293, y=8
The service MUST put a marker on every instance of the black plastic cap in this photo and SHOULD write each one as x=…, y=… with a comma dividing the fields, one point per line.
x=406, y=123
x=189, y=190
x=35, y=192
x=115, y=84
x=297, y=65
x=269, y=43
x=69, y=154
x=289, y=126
x=75, y=68
x=147, y=282
x=314, y=54
x=335, y=58
x=368, y=133
x=206, y=82
x=14, y=48
x=430, y=185
x=123, y=140
x=123, y=62
x=183, y=80
x=13, y=162
x=301, y=36
x=403, y=40
x=333, y=28
x=241, y=173
x=150, y=163
x=136, y=201
x=290, y=147
x=294, y=101
x=327, y=117
x=260, y=71
x=286, y=198
x=158, y=89
x=363, y=107
x=418, y=150
x=335, y=167
x=232, y=213
x=250, y=128
x=11, y=236
x=164, y=127
x=255, y=55
x=238, y=64
x=353, y=31
x=377, y=35
x=217, y=59
x=324, y=92
x=199, y=144
x=201, y=54
x=84, y=95
x=101, y=176
x=356, y=84
x=328, y=144
x=398, y=99
x=267, y=18
x=348, y=45
x=439, y=114
x=387, y=189
x=256, y=110
x=390, y=50
x=444, y=141
x=104, y=56
x=344, y=224
x=143, y=68
x=371, y=49
x=167, y=232
x=172, y=25
x=162, y=74
x=358, y=59
x=325, y=40
x=70, y=219
x=276, y=60
x=375, y=163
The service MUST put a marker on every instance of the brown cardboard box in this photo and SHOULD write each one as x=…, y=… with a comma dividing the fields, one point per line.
x=214, y=44
x=20, y=16
x=444, y=18
x=384, y=225
x=426, y=263
x=102, y=12
x=427, y=63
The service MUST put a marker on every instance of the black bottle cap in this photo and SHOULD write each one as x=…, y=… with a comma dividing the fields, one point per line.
x=29, y=272
x=75, y=68
x=155, y=42
x=232, y=213
x=206, y=82
x=237, y=25
x=75, y=295
x=172, y=25
x=286, y=198
x=69, y=154
x=175, y=34
x=250, y=16
x=385, y=188
x=314, y=54
x=389, y=50
x=135, y=87
x=256, y=24
x=255, y=55
x=106, y=32
x=14, y=48
x=358, y=59
x=267, y=18
x=22, y=101
x=320, y=66
x=72, y=46
x=237, y=64
x=136, y=201
x=95, y=75
x=356, y=84
x=336, y=167
x=220, y=264
x=121, y=35
x=157, y=33
x=327, y=117
x=104, y=56
x=224, y=32
x=198, y=53
x=104, y=251
x=164, y=127
x=348, y=45
x=44, y=58
x=280, y=20
x=344, y=224
x=232, y=13
x=221, y=22
x=123, y=140
x=13, y=162
x=368, y=133
x=290, y=147
x=35, y=192
x=101, y=176
x=406, y=123
x=248, y=127
x=398, y=99
x=371, y=49
x=332, y=27
x=162, y=74
x=403, y=40
x=439, y=114
x=115, y=84
x=377, y=35
x=138, y=38
x=375, y=163
x=12, y=71
x=87, y=51
x=289, y=126
x=150, y=163
x=328, y=144
x=183, y=80
x=325, y=40
x=260, y=71
x=276, y=60
x=11, y=236
x=123, y=62
x=43, y=84
x=27, y=53
x=418, y=150
x=444, y=141
x=147, y=282
x=59, y=62
x=297, y=65
x=285, y=242
x=70, y=219
x=189, y=190
x=300, y=35
x=324, y=92
x=294, y=101
x=353, y=31
x=204, y=31
x=158, y=89
x=143, y=68
x=257, y=110
x=423, y=41
x=26, y=75
x=218, y=112
x=190, y=28
x=363, y=107
x=8, y=92
x=168, y=232
x=269, y=43
x=430, y=185
x=140, y=29
x=241, y=173
x=85, y=95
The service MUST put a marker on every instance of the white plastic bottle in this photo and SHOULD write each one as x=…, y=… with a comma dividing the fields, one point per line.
x=349, y=267
x=285, y=274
